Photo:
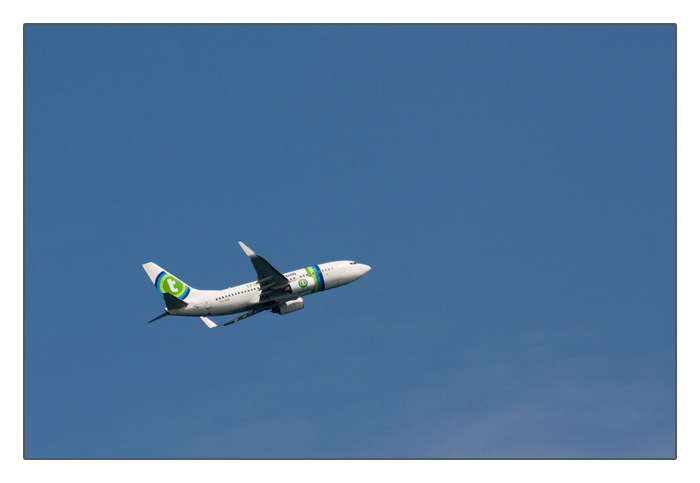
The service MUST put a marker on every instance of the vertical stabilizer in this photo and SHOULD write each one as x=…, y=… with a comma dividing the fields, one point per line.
x=166, y=282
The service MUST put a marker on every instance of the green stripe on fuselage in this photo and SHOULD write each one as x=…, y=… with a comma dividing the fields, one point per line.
x=311, y=272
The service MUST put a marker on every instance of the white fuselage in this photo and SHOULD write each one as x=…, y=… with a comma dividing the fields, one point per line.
x=244, y=297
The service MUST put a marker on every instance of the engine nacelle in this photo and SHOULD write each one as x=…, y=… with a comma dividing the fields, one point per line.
x=303, y=285
x=289, y=306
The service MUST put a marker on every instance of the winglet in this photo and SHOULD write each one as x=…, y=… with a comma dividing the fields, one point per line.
x=247, y=250
x=210, y=323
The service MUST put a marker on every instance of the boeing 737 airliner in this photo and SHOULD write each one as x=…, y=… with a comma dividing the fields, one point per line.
x=273, y=290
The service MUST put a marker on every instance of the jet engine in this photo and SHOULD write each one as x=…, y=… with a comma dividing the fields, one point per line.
x=289, y=306
x=303, y=285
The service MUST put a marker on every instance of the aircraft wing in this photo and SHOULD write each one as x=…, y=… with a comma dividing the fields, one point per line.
x=246, y=315
x=269, y=278
x=211, y=324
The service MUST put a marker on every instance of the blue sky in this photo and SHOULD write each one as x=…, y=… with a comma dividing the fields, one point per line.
x=512, y=187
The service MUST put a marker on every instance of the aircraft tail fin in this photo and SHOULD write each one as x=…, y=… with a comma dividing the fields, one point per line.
x=167, y=283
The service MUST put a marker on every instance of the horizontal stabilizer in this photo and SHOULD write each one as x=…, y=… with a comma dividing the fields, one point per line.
x=210, y=323
x=172, y=302
x=159, y=317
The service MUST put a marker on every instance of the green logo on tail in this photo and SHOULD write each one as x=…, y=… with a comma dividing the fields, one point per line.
x=172, y=285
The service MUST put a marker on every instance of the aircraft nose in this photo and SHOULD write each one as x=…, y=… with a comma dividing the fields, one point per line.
x=365, y=268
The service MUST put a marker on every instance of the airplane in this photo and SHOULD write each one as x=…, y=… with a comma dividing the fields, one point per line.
x=280, y=293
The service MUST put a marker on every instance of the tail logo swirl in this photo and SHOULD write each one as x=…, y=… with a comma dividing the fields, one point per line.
x=166, y=283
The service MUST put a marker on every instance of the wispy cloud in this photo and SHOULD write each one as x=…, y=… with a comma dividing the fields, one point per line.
x=567, y=421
